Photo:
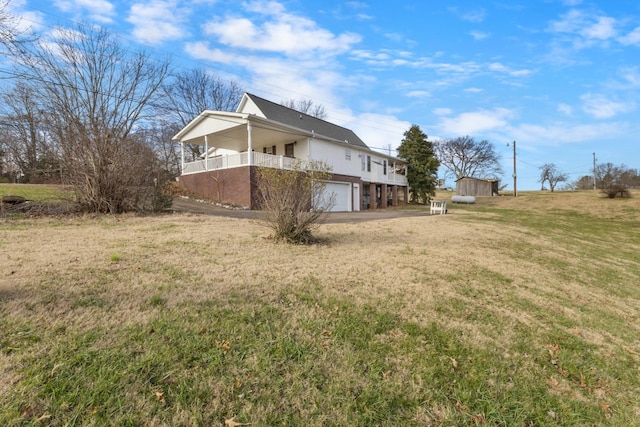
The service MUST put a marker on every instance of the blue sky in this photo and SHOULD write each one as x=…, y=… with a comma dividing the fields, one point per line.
x=560, y=77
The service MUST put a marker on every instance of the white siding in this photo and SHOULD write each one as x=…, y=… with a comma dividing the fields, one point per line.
x=249, y=107
x=336, y=156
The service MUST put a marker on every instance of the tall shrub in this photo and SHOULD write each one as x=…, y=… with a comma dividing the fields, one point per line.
x=294, y=201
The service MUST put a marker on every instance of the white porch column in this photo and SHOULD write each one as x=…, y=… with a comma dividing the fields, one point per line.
x=181, y=157
x=249, y=144
x=206, y=152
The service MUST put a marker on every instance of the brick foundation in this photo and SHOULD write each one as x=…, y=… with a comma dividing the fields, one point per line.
x=228, y=186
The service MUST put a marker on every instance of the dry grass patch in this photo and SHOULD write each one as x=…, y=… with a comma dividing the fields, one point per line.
x=499, y=313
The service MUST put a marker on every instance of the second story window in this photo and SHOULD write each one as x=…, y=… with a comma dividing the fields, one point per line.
x=368, y=163
x=347, y=154
x=384, y=167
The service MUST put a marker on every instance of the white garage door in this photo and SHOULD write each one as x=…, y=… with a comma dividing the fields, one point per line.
x=342, y=194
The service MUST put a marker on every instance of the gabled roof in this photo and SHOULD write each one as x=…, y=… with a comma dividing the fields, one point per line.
x=290, y=117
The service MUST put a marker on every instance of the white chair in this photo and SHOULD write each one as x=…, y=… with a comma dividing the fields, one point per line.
x=438, y=207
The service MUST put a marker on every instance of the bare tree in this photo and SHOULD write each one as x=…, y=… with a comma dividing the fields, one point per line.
x=294, y=201
x=27, y=136
x=583, y=183
x=158, y=137
x=306, y=106
x=14, y=34
x=8, y=25
x=5, y=174
x=613, y=180
x=550, y=174
x=95, y=93
x=191, y=92
x=464, y=156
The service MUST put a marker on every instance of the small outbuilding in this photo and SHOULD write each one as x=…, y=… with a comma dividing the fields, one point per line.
x=469, y=186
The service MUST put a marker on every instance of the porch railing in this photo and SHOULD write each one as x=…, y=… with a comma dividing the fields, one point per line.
x=228, y=161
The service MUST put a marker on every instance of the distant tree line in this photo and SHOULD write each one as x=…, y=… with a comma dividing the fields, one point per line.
x=611, y=180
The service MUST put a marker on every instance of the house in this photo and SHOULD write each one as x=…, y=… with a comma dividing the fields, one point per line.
x=261, y=133
x=469, y=186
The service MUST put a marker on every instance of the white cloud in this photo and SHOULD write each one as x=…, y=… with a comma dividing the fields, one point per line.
x=474, y=90
x=98, y=10
x=473, y=123
x=418, y=94
x=201, y=51
x=364, y=17
x=501, y=68
x=157, y=21
x=26, y=20
x=633, y=38
x=478, y=35
x=565, y=133
x=584, y=29
x=601, y=107
x=603, y=29
x=379, y=131
x=282, y=32
x=453, y=72
x=631, y=75
x=474, y=15
x=570, y=22
x=565, y=109
x=357, y=4
x=268, y=7
x=289, y=78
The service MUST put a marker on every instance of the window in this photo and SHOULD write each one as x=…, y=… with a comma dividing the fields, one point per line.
x=368, y=163
x=363, y=162
x=347, y=154
x=384, y=167
x=269, y=150
x=288, y=150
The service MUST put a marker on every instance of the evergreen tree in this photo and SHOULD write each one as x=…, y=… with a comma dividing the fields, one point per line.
x=423, y=165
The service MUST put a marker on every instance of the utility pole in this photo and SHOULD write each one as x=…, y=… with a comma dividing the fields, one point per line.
x=594, y=171
x=515, y=179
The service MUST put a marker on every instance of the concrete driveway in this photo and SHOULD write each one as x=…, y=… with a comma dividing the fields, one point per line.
x=196, y=207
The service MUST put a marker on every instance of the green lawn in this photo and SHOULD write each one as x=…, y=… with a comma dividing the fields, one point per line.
x=504, y=313
x=37, y=192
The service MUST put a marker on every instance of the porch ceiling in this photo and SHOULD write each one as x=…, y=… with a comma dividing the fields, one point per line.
x=236, y=137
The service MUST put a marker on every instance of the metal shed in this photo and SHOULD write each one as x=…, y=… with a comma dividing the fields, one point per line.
x=469, y=186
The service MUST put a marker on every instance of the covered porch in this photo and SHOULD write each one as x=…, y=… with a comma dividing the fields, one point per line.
x=231, y=140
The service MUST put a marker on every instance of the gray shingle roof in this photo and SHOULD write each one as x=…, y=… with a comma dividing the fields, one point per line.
x=280, y=113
